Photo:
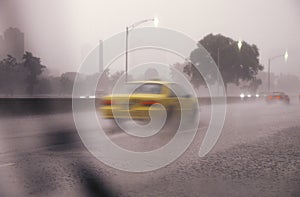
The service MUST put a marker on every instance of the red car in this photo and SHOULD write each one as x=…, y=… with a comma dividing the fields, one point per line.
x=277, y=97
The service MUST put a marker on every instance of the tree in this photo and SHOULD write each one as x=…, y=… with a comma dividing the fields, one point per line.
x=151, y=74
x=34, y=69
x=66, y=85
x=195, y=77
x=9, y=75
x=252, y=87
x=44, y=86
x=104, y=81
x=235, y=65
x=117, y=76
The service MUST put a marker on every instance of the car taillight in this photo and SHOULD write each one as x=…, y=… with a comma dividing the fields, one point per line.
x=270, y=97
x=106, y=102
x=148, y=103
x=278, y=97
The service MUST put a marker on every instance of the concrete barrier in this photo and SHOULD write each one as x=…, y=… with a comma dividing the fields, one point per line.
x=39, y=106
x=34, y=106
x=229, y=100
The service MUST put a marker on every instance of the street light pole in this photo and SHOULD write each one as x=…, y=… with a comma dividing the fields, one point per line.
x=126, y=55
x=285, y=55
x=128, y=28
x=219, y=71
x=269, y=70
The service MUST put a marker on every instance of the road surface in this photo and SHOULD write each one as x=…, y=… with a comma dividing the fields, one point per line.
x=257, y=154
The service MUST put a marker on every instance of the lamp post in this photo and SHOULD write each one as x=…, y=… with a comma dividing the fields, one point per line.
x=128, y=28
x=285, y=55
x=240, y=44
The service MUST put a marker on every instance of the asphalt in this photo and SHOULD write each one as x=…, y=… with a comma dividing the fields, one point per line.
x=257, y=154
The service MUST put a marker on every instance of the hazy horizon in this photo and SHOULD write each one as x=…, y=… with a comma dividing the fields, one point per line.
x=62, y=32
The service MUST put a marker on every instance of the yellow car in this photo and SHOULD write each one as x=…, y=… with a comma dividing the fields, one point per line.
x=136, y=100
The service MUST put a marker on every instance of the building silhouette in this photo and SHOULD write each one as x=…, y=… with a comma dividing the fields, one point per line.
x=12, y=43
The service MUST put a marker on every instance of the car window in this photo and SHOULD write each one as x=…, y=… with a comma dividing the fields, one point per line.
x=139, y=88
x=148, y=88
x=127, y=88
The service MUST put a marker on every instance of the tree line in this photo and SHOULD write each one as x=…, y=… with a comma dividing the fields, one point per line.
x=237, y=65
x=20, y=77
x=29, y=77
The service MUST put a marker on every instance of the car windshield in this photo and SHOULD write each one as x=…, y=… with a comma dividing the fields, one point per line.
x=140, y=88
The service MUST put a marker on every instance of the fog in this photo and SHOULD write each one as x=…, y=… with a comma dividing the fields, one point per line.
x=60, y=31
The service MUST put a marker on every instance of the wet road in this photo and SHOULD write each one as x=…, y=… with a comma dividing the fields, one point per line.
x=257, y=154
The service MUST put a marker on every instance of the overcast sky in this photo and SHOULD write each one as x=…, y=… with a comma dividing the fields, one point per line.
x=59, y=30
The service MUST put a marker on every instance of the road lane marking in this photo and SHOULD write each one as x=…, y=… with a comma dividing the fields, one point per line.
x=6, y=165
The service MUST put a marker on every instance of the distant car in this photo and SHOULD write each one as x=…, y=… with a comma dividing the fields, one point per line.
x=277, y=97
x=263, y=94
x=136, y=99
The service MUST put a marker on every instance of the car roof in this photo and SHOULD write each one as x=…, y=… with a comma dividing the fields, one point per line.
x=277, y=93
